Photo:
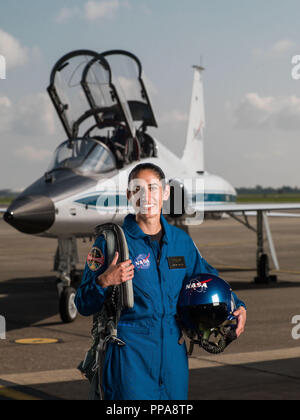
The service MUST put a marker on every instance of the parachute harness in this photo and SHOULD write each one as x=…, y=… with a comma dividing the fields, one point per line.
x=105, y=322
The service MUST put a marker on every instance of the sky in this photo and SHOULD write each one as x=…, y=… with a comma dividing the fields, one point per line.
x=252, y=102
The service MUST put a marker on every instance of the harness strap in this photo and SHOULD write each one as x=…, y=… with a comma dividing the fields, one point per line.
x=121, y=297
x=105, y=323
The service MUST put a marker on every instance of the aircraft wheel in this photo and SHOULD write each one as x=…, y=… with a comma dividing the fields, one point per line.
x=67, y=308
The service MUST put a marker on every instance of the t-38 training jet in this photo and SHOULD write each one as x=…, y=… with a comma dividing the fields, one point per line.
x=103, y=105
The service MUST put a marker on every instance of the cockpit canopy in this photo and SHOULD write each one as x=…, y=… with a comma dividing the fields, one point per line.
x=84, y=156
x=92, y=92
x=108, y=87
x=127, y=74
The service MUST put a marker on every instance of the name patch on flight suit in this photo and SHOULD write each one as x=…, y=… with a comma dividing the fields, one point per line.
x=176, y=262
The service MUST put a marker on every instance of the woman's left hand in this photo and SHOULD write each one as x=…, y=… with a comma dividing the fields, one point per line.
x=241, y=315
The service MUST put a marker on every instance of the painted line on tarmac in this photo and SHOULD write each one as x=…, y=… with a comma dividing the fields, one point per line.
x=12, y=394
x=222, y=244
x=197, y=362
x=237, y=267
x=46, y=377
x=234, y=267
x=37, y=341
x=251, y=360
x=243, y=358
x=287, y=271
x=10, y=383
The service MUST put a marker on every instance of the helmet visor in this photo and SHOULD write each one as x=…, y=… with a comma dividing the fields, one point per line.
x=208, y=316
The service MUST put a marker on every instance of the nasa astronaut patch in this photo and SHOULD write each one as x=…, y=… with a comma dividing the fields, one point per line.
x=142, y=262
x=95, y=259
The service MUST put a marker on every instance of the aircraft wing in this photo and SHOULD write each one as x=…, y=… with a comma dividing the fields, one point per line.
x=242, y=208
x=233, y=209
x=2, y=210
x=273, y=214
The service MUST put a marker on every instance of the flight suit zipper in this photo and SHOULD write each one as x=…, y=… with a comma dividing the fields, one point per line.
x=157, y=260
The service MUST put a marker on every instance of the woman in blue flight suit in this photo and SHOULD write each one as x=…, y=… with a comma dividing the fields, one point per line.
x=153, y=365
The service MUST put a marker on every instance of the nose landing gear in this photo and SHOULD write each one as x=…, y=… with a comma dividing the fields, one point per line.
x=67, y=308
x=68, y=279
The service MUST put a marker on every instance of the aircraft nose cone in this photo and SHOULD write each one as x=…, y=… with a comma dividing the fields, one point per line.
x=31, y=214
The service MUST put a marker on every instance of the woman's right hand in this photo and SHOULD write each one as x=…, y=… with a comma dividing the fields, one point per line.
x=116, y=273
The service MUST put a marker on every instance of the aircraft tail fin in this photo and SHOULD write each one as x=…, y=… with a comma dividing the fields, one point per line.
x=193, y=154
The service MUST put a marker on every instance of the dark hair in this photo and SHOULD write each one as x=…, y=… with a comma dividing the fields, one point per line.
x=148, y=166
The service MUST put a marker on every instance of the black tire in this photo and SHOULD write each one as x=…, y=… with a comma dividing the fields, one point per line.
x=263, y=268
x=67, y=309
x=76, y=277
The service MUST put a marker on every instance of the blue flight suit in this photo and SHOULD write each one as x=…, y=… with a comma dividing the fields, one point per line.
x=152, y=365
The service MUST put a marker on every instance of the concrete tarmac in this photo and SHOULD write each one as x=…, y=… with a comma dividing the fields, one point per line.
x=263, y=364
